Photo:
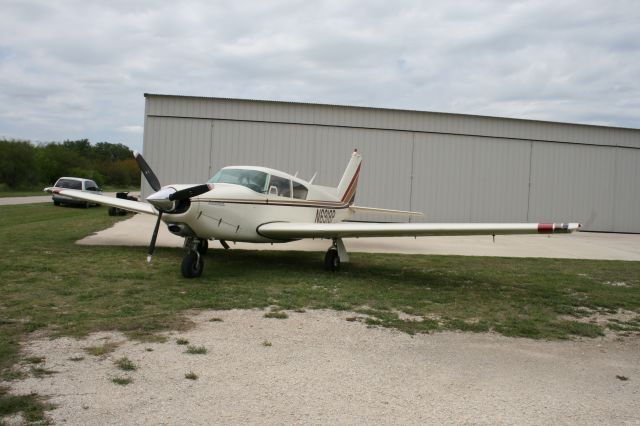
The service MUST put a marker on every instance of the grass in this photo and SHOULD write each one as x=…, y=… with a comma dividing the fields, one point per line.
x=31, y=406
x=52, y=285
x=196, y=350
x=276, y=314
x=182, y=341
x=122, y=381
x=191, y=376
x=125, y=364
x=101, y=350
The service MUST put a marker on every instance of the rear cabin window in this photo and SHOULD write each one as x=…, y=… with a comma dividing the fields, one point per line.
x=282, y=185
x=299, y=191
x=69, y=184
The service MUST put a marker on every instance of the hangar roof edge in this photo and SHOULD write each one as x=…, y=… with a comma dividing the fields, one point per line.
x=527, y=120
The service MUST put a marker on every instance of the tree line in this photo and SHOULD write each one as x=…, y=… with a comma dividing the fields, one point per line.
x=24, y=165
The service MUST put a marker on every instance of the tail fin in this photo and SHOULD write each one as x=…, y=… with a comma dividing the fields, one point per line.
x=349, y=182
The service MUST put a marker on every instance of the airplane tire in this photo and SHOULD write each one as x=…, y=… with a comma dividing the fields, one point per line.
x=192, y=266
x=203, y=246
x=332, y=260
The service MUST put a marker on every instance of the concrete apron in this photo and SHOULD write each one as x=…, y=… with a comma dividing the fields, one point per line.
x=137, y=230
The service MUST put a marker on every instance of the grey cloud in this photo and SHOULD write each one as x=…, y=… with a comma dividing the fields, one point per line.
x=79, y=68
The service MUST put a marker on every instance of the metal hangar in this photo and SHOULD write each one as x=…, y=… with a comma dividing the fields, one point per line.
x=451, y=167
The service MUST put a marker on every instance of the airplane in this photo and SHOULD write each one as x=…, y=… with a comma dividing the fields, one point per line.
x=263, y=205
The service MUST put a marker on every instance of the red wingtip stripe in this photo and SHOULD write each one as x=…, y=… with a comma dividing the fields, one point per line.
x=545, y=228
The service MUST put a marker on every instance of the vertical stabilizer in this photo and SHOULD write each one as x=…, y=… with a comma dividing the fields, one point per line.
x=349, y=182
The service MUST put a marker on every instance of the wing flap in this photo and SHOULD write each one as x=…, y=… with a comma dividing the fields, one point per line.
x=284, y=230
x=134, y=206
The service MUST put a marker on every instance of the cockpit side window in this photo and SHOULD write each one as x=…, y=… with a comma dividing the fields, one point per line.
x=299, y=191
x=252, y=179
x=282, y=185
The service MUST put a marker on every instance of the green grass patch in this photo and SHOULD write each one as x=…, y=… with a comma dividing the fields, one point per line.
x=191, y=376
x=125, y=364
x=32, y=407
x=102, y=350
x=122, y=381
x=276, y=314
x=50, y=284
x=196, y=350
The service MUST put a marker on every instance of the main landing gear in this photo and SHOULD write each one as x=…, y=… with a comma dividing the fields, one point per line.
x=337, y=253
x=192, y=262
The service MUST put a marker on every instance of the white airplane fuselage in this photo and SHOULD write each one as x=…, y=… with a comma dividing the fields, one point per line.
x=233, y=213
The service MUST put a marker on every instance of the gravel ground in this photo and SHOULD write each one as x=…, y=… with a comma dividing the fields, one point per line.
x=316, y=367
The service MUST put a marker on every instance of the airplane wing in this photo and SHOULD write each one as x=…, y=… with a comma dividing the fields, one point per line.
x=134, y=206
x=292, y=231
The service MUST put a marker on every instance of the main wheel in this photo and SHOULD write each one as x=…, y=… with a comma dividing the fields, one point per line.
x=203, y=246
x=192, y=265
x=332, y=260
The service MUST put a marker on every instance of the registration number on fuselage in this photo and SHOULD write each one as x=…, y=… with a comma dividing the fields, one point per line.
x=325, y=215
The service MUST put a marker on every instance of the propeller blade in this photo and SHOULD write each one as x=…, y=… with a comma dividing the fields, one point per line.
x=192, y=191
x=147, y=172
x=154, y=237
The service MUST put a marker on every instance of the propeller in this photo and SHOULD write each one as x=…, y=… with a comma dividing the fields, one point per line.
x=164, y=199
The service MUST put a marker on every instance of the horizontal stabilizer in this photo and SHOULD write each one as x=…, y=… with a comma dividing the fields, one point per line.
x=359, y=209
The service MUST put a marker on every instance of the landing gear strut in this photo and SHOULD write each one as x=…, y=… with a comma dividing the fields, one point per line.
x=336, y=254
x=192, y=263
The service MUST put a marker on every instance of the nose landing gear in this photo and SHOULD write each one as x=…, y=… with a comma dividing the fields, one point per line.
x=192, y=262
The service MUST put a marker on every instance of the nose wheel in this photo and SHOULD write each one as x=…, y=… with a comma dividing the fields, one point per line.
x=192, y=262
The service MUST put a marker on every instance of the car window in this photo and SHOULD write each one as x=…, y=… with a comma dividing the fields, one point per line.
x=91, y=186
x=69, y=184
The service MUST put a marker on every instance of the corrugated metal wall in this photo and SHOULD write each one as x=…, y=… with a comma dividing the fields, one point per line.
x=451, y=167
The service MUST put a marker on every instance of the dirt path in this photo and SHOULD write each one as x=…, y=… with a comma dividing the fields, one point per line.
x=317, y=367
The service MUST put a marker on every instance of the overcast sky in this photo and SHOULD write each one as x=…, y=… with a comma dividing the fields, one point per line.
x=79, y=69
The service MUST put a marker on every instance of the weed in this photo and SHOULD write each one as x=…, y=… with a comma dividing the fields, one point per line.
x=214, y=319
x=196, y=350
x=149, y=349
x=76, y=358
x=266, y=343
x=191, y=376
x=126, y=364
x=31, y=406
x=34, y=359
x=122, y=381
x=182, y=342
x=276, y=314
x=103, y=349
x=40, y=372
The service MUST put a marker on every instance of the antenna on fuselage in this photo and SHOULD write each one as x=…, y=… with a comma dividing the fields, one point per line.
x=313, y=177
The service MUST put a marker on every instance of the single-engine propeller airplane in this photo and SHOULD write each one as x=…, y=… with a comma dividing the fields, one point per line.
x=262, y=205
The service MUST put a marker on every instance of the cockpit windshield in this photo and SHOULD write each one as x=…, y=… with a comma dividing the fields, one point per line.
x=252, y=179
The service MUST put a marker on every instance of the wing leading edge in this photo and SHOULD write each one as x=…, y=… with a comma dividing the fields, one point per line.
x=135, y=206
x=288, y=231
